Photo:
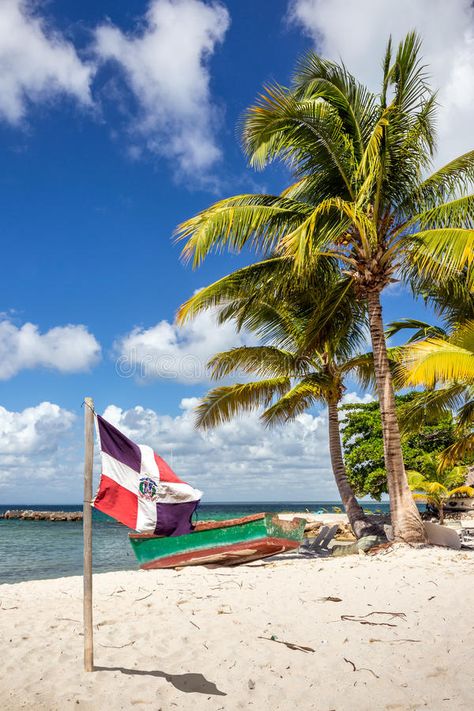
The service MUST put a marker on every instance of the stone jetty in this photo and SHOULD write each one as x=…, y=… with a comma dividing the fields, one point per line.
x=29, y=515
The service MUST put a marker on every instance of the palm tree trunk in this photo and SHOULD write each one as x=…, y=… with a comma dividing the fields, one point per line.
x=406, y=521
x=358, y=520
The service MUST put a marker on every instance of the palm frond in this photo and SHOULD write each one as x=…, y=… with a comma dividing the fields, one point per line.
x=308, y=135
x=265, y=276
x=300, y=398
x=431, y=405
x=262, y=361
x=455, y=213
x=442, y=253
x=409, y=76
x=259, y=221
x=362, y=367
x=223, y=403
x=433, y=360
x=451, y=180
x=421, y=329
x=452, y=299
x=336, y=323
x=317, y=77
x=462, y=491
x=465, y=414
x=459, y=450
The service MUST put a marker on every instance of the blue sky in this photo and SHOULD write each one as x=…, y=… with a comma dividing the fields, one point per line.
x=118, y=119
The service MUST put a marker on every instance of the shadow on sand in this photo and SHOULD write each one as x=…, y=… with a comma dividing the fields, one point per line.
x=189, y=683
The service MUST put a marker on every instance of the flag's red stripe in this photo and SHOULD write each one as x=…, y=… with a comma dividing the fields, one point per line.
x=166, y=473
x=116, y=501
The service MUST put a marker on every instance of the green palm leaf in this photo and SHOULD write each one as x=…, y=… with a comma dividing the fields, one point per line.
x=442, y=253
x=433, y=360
x=223, y=403
x=310, y=390
x=262, y=361
x=258, y=220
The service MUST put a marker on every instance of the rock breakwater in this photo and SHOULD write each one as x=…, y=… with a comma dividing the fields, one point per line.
x=30, y=515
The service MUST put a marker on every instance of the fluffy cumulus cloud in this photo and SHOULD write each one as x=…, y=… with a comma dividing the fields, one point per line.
x=357, y=31
x=35, y=451
x=68, y=349
x=240, y=460
x=41, y=453
x=36, y=62
x=354, y=398
x=165, y=63
x=168, y=351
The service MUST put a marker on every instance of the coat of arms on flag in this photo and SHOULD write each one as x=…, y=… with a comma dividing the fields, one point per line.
x=139, y=489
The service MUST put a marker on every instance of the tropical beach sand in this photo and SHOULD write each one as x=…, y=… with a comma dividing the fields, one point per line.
x=201, y=638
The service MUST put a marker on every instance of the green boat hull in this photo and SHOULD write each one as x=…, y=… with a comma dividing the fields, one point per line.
x=222, y=543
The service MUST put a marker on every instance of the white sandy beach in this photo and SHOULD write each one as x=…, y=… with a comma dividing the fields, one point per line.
x=201, y=638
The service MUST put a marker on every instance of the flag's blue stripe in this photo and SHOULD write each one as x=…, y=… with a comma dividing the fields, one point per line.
x=174, y=519
x=114, y=443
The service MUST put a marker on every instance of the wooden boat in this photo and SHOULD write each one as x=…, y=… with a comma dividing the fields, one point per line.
x=230, y=542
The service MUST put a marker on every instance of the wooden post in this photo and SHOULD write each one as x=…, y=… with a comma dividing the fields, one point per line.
x=87, y=527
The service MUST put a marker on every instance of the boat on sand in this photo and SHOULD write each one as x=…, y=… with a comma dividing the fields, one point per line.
x=230, y=542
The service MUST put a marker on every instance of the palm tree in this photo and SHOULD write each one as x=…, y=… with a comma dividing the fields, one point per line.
x=359, y=196
x=265, y=299
x=453, y=302
x=436, y=491
x=448, y=361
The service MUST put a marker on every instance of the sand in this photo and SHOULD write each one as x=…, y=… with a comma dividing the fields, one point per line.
x=202, y=639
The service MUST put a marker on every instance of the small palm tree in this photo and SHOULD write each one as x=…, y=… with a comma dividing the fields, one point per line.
x=435, y=490
x=261, y=298
x=453, y=303
x=361, y=196
x=447, y=362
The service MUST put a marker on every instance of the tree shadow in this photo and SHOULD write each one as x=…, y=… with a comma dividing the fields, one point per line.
x=188, y=683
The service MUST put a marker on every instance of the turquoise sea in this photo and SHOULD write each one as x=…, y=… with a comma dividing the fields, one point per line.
x=32, y=550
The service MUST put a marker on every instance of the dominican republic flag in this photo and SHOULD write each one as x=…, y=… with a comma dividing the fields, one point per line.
x=139, y=489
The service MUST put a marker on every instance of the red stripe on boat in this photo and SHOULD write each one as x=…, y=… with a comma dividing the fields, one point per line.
x=116, y=501
x=227, y=554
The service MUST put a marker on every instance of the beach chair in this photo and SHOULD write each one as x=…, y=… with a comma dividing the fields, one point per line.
x=320, y=545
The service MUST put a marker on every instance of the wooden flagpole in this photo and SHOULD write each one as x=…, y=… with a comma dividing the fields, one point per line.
x=87, y=528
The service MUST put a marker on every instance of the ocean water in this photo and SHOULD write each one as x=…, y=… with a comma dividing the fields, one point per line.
x=32, y=550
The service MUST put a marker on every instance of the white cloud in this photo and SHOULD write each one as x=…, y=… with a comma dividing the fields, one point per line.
x=36, y=63
x=356, y=399
x=175, y=352
x=165, y=63
x=357, y=32
x=33, y=449
x=241, y=460
x=68, y=349
x=41, y=453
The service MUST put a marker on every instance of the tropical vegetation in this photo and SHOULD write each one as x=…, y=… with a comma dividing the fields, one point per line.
x=362, y=195
x=363, y=443
x=269, y=302
x=447, y=361
x=437, y=490
x=434, y=359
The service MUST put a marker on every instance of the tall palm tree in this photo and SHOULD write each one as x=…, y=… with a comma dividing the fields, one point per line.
x=264, y=298
x=360, y=196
